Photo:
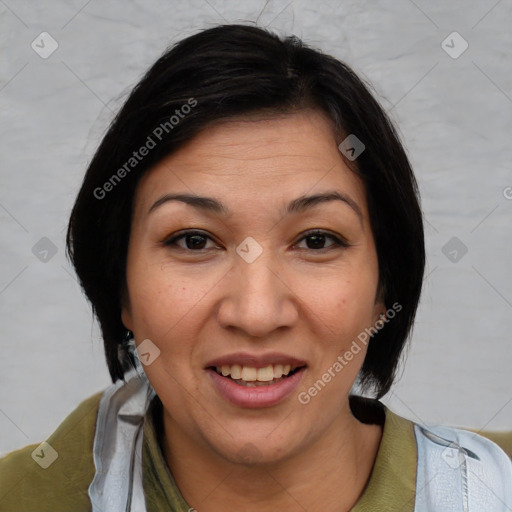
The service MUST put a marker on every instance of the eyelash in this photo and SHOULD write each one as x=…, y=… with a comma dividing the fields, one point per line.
x=338, y=242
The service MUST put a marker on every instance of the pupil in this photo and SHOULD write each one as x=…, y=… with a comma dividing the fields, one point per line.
x=320, y=239
x=198, y=241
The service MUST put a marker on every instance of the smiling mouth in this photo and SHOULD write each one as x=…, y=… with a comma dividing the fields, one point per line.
x=249, y=376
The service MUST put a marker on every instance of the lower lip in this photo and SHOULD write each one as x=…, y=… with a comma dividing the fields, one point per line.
x=257, y=396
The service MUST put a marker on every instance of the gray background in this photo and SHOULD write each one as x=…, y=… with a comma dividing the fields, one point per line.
x=455, y=117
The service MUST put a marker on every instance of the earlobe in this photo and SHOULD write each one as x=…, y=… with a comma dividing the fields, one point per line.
x=379, y=312
x=126, y=314
x=126, y=318
x=379, y=306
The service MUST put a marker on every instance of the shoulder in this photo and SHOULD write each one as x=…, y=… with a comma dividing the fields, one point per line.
x=444, y=468
x=459, y=466
x=54, y=475
x=502, y=439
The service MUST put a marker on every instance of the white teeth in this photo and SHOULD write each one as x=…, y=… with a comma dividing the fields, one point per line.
x=265, y=374
x=251, y=374
x=236, y=371
x=278, y=371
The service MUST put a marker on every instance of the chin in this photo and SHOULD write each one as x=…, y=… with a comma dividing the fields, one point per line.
x=256, y=449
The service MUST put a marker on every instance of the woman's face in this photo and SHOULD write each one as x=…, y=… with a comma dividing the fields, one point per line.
x=251, y=282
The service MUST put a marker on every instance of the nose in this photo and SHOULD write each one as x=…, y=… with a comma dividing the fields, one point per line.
x=258, y=297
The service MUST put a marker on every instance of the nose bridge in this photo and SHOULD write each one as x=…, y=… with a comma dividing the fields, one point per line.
x=259, y=276
x=258, y=301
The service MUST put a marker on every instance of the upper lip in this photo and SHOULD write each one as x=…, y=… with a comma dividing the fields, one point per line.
x=256, y=360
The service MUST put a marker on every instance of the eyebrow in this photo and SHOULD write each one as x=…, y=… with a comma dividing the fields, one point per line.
x=298, y=205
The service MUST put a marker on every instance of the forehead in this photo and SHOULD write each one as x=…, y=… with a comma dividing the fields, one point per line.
x=256, y=159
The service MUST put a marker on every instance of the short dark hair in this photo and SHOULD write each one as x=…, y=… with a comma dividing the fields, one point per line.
x=231, y=71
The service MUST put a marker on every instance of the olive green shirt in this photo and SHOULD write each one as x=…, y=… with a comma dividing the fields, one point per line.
x=25, y=486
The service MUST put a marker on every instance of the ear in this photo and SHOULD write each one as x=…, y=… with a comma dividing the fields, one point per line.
x=126, y=312
x=126, y=318
x=379, y=309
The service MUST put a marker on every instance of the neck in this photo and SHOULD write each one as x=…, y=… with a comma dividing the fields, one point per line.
x=328, y=474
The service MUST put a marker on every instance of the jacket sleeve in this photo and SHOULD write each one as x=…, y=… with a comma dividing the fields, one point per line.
x=53, y=476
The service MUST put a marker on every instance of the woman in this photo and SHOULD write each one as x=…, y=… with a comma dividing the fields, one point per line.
x=250, y=237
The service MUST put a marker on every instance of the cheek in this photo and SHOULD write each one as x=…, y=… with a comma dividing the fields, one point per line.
x=162, y=301
x=164, y=310
x=343, y=311
x=343, y=305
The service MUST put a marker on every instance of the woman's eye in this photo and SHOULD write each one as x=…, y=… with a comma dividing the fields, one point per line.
x=192, y=240
x=316, y=241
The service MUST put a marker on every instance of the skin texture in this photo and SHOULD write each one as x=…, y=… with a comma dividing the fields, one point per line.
x=303, y=297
